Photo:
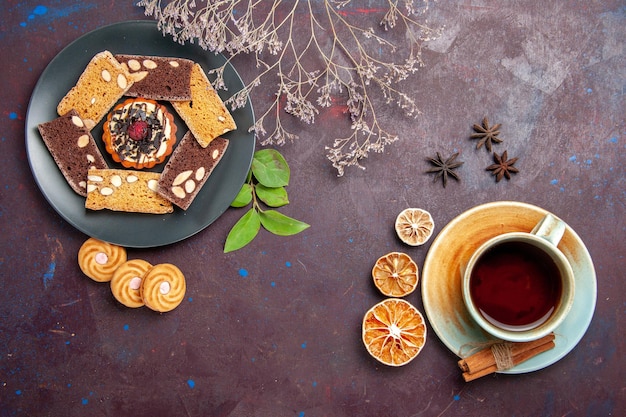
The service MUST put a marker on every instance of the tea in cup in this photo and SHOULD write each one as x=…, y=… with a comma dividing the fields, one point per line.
x=519, y=286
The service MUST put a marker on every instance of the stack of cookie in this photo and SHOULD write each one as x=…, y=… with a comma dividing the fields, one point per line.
x=134, y=282
x=138, y=133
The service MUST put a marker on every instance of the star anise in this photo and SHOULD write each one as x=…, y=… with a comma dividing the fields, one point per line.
x=486, y=134
x=503, y=166
x=444, y=168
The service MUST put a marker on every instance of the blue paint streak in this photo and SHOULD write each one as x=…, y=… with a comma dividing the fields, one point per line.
x=49, y=275
x=243, y=272
x=457, y=397
x=13, y=115
x=84, y=401
x=572, y=158
x=301, y=414
x=191, y=383
x=40, y=10
x=303, y=345
x=54, y=13
x=75, y=8
x=554, y=182
x=613, y=139
x=288, y=264
x=18, y=392
x=273, y=284
x=126, y=327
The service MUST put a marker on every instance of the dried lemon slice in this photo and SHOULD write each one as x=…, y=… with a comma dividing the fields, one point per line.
x=395, y=274
x=414, y=226
x=394, y=332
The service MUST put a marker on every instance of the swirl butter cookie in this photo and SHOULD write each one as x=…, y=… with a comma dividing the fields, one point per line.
x=163, y=287
x=99, y=260
x=126, y=282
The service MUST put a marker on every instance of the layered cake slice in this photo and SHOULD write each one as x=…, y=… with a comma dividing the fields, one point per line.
x=125, y=190
x=167, y=78
x=205, y=114
x=188, y=169
x=102, y=83
x=73, y=149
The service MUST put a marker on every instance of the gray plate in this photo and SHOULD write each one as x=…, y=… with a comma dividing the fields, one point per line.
x=134, y=229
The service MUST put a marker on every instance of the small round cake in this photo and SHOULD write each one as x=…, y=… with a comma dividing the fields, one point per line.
x=163, y=287
x=99, y=260
x=127, y=280
x=139, y=133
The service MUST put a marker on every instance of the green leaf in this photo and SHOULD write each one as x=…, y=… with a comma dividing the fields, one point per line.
x=281, y=225
x=270, y=168
x=272, y=196
x=243, y=231
x=244, y=197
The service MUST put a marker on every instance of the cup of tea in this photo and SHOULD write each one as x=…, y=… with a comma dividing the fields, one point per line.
x=519, y=286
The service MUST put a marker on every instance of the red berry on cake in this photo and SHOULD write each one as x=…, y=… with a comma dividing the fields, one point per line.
x=138, y=130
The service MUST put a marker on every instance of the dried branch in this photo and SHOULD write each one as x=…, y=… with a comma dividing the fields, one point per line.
x=328, y=61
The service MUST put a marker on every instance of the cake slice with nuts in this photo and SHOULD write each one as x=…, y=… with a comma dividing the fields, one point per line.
x=73, y=149
x=167, y=78
x=189, y=168
x=205, y=114
x=125, y=190
x=102, y=83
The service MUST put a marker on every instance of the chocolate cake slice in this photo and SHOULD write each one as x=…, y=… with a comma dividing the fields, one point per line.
x=188, y=169
x=167, y=78
x=73, y=149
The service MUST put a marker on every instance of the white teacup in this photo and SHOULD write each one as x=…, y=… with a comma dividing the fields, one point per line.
x=519, y=286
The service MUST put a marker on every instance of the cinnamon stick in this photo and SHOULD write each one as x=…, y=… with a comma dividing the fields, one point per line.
x=484, y=363
x=484, y=358
x=522, y=357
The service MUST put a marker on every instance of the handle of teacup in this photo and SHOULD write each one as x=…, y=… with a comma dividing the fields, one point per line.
x=550, y=228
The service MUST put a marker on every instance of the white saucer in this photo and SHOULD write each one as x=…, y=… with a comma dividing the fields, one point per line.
x=441, y=279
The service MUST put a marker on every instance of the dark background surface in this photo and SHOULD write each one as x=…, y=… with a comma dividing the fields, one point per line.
x=274, y=329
